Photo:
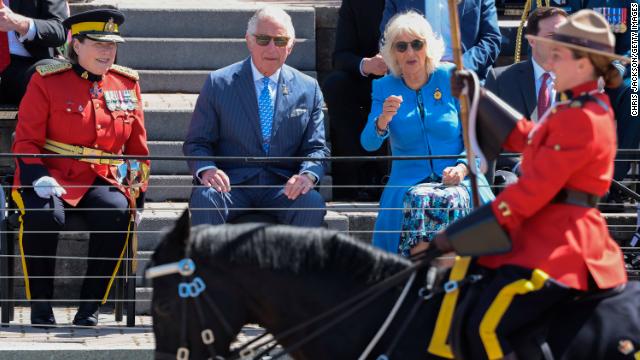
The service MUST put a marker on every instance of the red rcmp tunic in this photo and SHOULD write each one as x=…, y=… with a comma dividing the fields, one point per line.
x=59, y=106
x=573, y=148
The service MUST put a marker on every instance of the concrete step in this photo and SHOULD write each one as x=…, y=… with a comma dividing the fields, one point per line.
x=167, y=116
x=167, y=167
x=202, y=22
x=200, y=54
x=175, y=167
x=158, y=217
x=178, y=188
x=178, y=81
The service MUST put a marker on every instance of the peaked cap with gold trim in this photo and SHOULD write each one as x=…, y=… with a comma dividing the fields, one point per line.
x=98, y=25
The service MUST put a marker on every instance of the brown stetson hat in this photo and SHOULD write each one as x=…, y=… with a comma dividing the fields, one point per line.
x=585, y=30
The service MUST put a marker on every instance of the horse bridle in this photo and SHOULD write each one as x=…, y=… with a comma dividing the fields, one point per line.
x=190, y=288
x=194, y=287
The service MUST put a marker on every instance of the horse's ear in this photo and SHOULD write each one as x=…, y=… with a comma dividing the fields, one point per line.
x=182, y=229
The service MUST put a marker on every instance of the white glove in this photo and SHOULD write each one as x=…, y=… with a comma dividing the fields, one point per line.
x=138, y=218
x=47, y=187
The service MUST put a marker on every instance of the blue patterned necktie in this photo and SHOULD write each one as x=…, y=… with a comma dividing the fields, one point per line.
x=265, y=107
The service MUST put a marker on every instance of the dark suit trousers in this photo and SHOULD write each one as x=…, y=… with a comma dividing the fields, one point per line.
x=348, y=97
x=44, y=223
x=263, y=191
x=15, y=78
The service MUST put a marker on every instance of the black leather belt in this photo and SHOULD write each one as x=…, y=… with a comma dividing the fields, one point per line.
x=575, y=197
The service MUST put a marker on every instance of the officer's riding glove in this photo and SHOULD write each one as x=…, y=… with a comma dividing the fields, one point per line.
x=47, y=187
x=441, y=241
x=461, y=79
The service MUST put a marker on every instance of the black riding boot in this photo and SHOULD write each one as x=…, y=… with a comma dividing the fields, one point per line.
x=87, y=314
x=42, y=314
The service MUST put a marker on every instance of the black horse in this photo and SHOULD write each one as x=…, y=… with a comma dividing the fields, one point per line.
x=280, y=277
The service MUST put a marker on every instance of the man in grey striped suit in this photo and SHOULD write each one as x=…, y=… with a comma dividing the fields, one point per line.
x=259, y=107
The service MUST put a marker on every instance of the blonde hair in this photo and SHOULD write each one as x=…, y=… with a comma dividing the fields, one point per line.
x=411, y=23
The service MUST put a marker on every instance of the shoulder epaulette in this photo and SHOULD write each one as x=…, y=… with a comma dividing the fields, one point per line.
x=122, y=70
x=50, y=69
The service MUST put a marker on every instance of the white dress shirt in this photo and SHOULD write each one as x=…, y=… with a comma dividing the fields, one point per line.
x=538, y=72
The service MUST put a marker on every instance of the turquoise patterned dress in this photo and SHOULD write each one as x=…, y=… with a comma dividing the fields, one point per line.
x=426, y=124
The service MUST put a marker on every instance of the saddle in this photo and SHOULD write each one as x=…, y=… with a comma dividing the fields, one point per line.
x=597, y=325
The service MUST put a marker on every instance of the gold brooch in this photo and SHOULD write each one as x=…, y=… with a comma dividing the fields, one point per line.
x=85, y=75
x=110, y=26
x=437, y=94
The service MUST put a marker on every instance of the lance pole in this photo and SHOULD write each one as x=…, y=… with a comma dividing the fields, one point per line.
x=464, y=100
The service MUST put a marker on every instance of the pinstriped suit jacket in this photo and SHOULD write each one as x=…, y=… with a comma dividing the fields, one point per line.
x=226, y=123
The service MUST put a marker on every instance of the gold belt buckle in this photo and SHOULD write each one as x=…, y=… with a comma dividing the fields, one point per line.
x=92, y=152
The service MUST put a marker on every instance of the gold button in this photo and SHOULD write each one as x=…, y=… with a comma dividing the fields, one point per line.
x=504, y=208
x=98, y=127
x=95, y=146
x=556, y=147
x=554, y=110
x=529, y=141
x=68, y=110
x=97, y=106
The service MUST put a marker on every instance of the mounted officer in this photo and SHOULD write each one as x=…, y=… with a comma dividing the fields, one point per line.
x=554, y=242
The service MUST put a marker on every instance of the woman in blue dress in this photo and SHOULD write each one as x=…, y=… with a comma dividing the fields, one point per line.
x=413, y=108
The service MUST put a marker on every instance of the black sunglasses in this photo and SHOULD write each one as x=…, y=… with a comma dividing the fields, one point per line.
x=279, y=41
x=402, y=46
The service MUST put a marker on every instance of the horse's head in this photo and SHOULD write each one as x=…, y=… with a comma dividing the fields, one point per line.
x=178, y=320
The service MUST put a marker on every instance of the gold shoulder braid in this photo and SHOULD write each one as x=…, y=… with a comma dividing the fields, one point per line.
x=128, y=72
x=50, y=69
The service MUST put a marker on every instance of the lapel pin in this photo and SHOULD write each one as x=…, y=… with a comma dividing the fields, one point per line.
x=285, y=90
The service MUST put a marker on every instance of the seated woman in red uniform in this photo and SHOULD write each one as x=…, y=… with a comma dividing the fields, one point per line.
x=559, y=242
x=87, y=106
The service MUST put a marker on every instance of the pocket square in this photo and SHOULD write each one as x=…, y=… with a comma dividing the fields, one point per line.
x=298, y=112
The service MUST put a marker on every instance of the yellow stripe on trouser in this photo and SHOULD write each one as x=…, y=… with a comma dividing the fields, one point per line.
x=17, y=198
x=115, y=271
x=438, y=345
x=499, y=306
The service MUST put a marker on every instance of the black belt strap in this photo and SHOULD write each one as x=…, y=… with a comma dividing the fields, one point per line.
x=575, y=197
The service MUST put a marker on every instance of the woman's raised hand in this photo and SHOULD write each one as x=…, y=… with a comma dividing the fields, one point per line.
x=389, y=110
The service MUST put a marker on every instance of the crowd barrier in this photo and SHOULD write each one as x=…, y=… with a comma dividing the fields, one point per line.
x=124, y=296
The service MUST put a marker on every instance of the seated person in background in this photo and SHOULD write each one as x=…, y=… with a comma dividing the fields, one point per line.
x=258, y=107
x=86, y=106
x=347, y=89
x=29, y=32
x=414, y=109
x=528, y=85
x=479, y=32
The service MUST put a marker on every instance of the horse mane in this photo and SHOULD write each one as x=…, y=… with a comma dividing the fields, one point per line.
x=293, y=249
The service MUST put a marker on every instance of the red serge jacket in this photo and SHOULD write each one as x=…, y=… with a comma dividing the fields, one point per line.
x=573, y=148
x=61, y=105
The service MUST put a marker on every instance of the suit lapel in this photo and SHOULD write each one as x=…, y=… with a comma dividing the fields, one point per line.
x=283, y=96
x=247, y=95
x=528, y=87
